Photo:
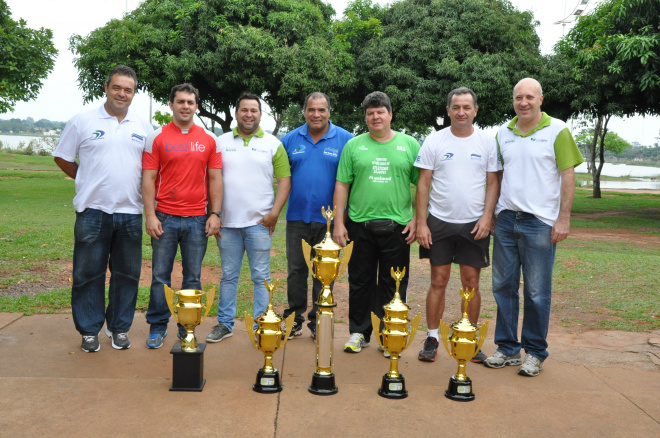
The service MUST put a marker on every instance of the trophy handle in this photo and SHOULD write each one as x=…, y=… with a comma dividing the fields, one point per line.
x=307, y=253
x=169, y=298
x=444, y=336
x=348, y=250
x=413, y=329
x=482, y=336
x=375, y=323
x=289, y=326
x=248, y=325
x=210, y=296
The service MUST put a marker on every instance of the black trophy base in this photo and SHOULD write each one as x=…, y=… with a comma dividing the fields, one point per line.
x=459, y=391
x=393, y=387
x=267, y=382
x=187, y=368
x=323, y=385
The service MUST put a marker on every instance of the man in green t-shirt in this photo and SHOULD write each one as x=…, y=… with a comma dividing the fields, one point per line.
x=376, y=169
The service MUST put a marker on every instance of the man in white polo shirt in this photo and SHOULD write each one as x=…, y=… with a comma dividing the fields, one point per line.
x=108, y=142
x=537, y=156
x=459, y=163
x=251, y=158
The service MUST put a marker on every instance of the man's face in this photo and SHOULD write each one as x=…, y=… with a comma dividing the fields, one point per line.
x=119, y=94
x=183, y=108
x=317, y=114
x=248, y=116
x=378, y=119
x=527, y=101
x=462, y=111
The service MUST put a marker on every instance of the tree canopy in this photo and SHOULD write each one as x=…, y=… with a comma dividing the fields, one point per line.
x=27, y=56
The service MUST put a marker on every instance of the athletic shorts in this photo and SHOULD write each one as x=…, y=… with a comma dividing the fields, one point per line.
x=453, y=243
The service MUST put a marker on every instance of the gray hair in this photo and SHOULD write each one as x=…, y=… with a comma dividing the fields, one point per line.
x=317, y=95
x=376, y=100
x=461, y=90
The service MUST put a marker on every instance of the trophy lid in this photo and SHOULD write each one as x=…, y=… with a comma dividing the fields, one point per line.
x=327, y=244
x=269, y=316
x=464, y=324
x=397, y=304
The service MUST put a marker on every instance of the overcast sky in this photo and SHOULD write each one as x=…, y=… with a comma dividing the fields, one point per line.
x=60, y=97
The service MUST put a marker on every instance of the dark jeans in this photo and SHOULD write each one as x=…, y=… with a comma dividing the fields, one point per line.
x=370, y=281
x=313, y=233
x=103, y=240
x=187, y=231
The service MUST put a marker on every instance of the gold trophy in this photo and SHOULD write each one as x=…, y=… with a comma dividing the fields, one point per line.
x=395, y=338
x=464, y=346
x=326, y=268
x=188, y=356
x=268, y=338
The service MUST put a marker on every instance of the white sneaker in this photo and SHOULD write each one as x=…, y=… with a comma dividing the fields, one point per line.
x=355, y=343
x=531, y=367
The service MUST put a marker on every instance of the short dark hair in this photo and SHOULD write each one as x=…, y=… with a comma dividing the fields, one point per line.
x=122, y=70
x=187, y=88
x=376, y=100
x=461, y=90
x=317, y=95
x=248, y=96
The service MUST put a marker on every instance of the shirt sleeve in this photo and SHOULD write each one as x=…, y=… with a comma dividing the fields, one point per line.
x=567, y=153
x=150, y=156
x=281, y=165
x=345, y=167
x=67, y=147
x=425, y=157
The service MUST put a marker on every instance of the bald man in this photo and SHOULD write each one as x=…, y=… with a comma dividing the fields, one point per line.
x=536, y=159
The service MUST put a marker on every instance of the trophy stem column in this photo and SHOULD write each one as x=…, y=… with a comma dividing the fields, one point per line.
x=323, y=380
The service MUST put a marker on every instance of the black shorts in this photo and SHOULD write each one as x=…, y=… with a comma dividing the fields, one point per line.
x=453, y=243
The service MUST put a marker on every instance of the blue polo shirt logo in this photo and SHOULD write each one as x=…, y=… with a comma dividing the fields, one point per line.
x=331, y=152
x=299, y=150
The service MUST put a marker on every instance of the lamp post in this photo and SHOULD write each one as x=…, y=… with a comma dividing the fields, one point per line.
x=577, y=11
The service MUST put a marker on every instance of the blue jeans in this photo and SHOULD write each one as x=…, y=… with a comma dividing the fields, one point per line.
x=313, y=233
x=103, y=240
x=189, y=232
x=234, y=244
x=522, y=241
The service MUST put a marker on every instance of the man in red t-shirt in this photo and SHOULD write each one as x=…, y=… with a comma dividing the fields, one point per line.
x=180, y=162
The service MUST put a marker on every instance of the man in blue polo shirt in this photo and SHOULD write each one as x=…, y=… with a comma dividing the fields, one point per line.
x=313, y=150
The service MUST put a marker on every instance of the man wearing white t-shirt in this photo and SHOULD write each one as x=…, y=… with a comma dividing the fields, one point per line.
x=108, y=143
x=459, y=164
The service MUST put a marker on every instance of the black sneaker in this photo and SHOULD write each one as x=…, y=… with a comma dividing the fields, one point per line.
x=90, y=344
x=218, y=333
x=480, y=357
x=119, y=340
x=182, y=333
x=312, y=333
x=296, y=330
x=429, y=350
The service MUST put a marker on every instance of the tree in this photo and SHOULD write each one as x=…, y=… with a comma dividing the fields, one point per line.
x=585, y=141
x=27, y=56
x=429, y=47
x=615, y=57
x=223, y=47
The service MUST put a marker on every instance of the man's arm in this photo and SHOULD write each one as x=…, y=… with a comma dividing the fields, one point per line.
x=152, y=224
x=485, y=224
x=213, y=222
x=422, y=204
x=283, y=189
x=339, y=233
x=68, y=167
x=563, y=224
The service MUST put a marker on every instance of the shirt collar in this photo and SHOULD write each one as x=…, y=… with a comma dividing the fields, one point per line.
x=544, y=123
x=259, y=133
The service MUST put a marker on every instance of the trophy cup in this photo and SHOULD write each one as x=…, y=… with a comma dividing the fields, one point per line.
x=396, y=338
x=464, y=346
x=326, y=268
x=268, y=338
x=188, y=356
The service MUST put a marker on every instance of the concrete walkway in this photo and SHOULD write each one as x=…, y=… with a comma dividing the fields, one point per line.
x=50, y=388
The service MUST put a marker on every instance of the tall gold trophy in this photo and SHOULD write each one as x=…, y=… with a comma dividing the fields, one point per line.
x=268, y=339
x=326, y=268
x=188, y=356
x=395, y=338
x=464, y=345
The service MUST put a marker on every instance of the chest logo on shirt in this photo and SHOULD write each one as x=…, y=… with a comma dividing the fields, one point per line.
x=185, y=147
x=299, y=150
x=448, y=156
x=97, y=135
x=540, y=140
x=263, y=151
x=332, y=152
x=137, y=138
x=475, y=157
x=363, y=148
x=509, y=140
x=401, y=148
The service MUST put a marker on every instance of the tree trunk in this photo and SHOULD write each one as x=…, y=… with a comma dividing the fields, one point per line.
x=595, y=175
x=225, y=124
x=278, y=121
x=599, y=138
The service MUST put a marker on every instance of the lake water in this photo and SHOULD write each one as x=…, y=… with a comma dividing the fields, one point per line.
x=14, y=141
x=647, y=178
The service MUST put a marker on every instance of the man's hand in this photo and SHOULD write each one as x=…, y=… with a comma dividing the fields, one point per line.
x=269, y=221
x=213, y=225
x=340, y=234
x=411, y=230
x=153, y=227
x=424, y=236
x=560, y=230
x=482, y=228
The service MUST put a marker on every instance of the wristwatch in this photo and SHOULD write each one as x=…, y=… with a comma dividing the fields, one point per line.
x=217, y=213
